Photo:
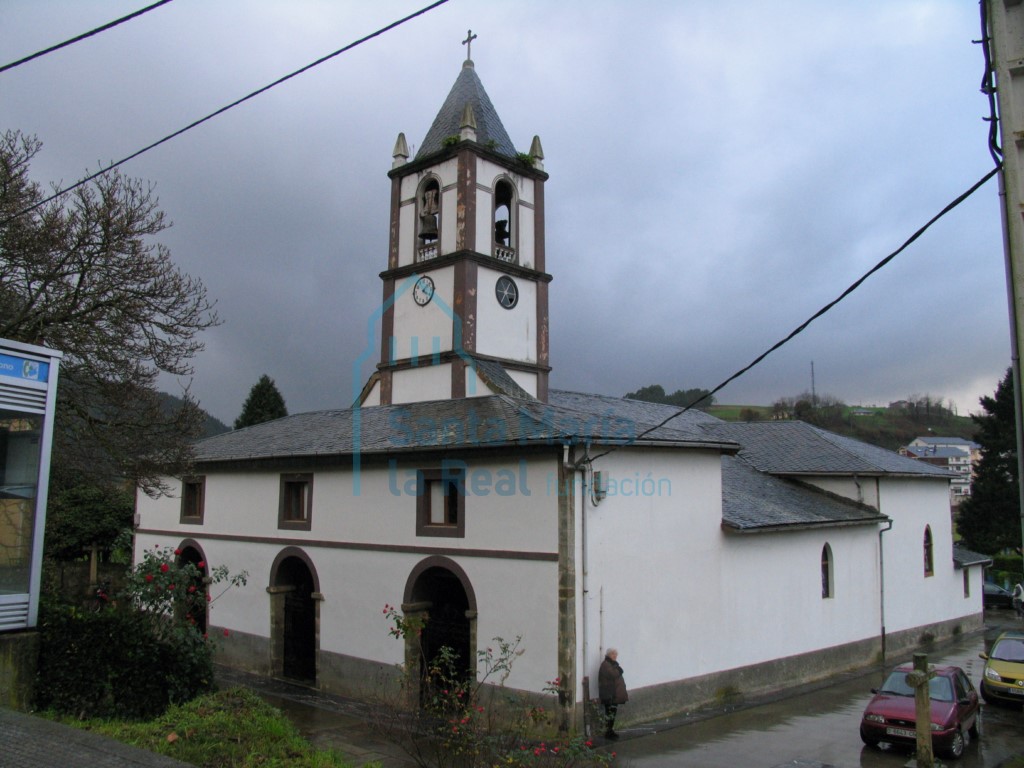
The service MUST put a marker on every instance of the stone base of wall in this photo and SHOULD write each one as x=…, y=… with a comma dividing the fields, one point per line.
x=19, y=660
x=362, y=679
x=735, y=687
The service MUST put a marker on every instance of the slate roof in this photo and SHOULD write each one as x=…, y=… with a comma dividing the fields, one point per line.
x=796, y=448
x=755, y=502
x=946, y=441
x=937, y=452
x=963, y=557
x=476, y=422
x=467, y=90
x=496, y=377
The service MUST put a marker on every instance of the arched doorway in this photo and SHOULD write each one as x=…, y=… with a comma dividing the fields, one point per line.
x=294, y=610
x=196, y=608
x=439, y=590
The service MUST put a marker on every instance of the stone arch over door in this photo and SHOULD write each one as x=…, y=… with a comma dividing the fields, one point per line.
x=295, y=599
x=192, y=552
x=439, y=590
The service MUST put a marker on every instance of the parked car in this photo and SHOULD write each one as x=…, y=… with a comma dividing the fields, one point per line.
x=891, y=715
x=996, y=597
x=1003, y=678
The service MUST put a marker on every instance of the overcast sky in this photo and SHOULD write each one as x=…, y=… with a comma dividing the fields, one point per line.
x=719, y=169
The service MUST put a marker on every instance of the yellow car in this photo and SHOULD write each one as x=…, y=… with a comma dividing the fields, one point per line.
x=1003, y=678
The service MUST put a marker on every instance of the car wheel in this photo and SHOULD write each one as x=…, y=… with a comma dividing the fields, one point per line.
x=958, y=744
x=871, y=742
x=975, y=730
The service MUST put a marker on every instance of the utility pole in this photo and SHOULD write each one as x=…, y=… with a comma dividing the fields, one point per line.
x=814, y=393
x=1005, y=30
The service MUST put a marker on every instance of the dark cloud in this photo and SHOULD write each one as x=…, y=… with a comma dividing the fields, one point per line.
x=719, y=171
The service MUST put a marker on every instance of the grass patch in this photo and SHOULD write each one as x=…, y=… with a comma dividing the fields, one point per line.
x=228, y=729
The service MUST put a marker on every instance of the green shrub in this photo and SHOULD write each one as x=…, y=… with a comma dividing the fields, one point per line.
x=227, y=728
x=136, y=653
x=113, y=664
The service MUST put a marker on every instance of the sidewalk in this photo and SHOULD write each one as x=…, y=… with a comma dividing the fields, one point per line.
x=27, y=741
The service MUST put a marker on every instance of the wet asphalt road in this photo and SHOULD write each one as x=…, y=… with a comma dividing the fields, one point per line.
x=814, y=729
x=821, y=727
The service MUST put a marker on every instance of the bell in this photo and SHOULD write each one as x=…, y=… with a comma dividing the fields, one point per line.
x=428, y=226
x=501, y=231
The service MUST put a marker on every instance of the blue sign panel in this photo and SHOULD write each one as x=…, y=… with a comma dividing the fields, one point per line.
x=23, y=368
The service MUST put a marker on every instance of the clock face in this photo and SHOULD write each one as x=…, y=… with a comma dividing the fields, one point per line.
x=423, y=291
x=507, y=292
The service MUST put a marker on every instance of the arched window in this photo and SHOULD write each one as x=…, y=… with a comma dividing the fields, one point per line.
x=827, y=586
x=929, y=555
x=504, y=225
x=428, y=209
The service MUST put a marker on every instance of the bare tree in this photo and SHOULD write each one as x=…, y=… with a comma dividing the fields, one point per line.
x=82, y=274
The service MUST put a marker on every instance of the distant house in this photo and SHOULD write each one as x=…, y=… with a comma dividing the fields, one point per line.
x=955, y=454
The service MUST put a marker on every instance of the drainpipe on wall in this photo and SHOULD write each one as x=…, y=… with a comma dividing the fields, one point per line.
x=585, y=692
x=881, y=567
x=566, y=589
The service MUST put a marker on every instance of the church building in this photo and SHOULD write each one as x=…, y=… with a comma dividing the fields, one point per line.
x=460, y=486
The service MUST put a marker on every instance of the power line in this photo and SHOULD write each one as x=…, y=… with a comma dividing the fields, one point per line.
x=800, y=328
x=96, y=31
x=220, y=111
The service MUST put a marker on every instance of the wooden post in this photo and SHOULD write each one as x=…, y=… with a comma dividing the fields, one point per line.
x=918, y=680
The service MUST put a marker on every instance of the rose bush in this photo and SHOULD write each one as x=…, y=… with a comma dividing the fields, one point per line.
x=145, y=649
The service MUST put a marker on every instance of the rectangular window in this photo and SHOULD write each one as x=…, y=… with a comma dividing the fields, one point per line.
x=440, y=503
x=295, y=509
x=193, y=500
x=967, y=582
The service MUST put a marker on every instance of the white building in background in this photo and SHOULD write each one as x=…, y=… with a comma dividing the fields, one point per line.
x=955, y=454
x=715, y=556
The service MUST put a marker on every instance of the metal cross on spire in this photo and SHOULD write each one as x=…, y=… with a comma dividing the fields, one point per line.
x=468, y=42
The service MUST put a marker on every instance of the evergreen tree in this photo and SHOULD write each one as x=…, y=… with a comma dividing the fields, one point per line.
x=263, y=404
x=655, y=393
x=989, y=520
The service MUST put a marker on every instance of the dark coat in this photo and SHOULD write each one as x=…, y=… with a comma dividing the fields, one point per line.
x=610, y=685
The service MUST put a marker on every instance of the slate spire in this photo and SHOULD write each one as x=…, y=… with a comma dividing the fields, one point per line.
x=467, y=91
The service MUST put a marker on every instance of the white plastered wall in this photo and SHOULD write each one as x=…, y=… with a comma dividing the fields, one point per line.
x=507, y=333
x=516, y=591
x=911, y=598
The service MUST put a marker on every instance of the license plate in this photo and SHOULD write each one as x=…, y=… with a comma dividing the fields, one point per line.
x=905, y=733
x=1016, y=691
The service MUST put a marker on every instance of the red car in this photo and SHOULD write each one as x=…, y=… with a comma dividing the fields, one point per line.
x=891, y=715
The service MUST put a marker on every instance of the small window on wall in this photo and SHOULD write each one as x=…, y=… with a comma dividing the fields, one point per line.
x=967, y=582
x=193, y=500
x=929, y=555
x=295, y=510
x=827, y=587
x=440, y=503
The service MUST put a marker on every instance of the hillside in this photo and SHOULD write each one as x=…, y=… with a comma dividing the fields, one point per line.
x=884, y=427
x=211, y=426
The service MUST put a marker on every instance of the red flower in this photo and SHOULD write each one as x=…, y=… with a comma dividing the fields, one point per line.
x=226, y=633
x=177, y=552
x=149, y=577
x=201, y=564
x=164, y=568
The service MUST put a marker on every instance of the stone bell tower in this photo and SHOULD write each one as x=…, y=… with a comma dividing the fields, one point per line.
x=465, y=289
